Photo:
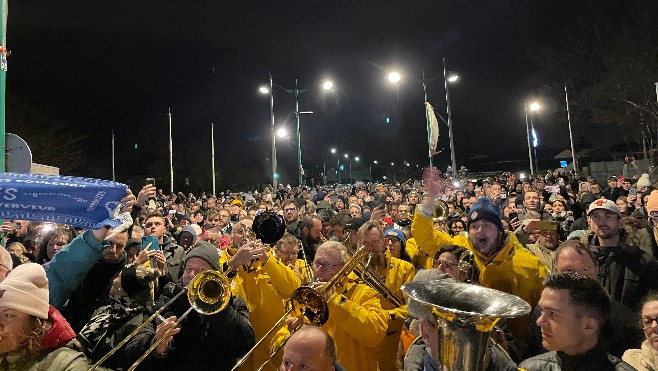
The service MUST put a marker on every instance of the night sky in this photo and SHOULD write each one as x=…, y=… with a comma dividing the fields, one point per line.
x=113, y=65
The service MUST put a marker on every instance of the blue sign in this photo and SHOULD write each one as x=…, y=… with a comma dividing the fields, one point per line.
x=82, y=202
x=563, y=164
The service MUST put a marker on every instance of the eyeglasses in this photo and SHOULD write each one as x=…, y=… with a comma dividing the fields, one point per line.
x=445, y=263
x=289, y=210
x=326, y=265
x=646, y=322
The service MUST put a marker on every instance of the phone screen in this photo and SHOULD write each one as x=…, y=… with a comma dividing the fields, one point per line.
x=632, y=192
x=513, y=215
x=146, y=240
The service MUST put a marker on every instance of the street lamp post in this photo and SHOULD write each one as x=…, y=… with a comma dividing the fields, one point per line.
x=447, y=79
x=275, y=179
x=374, y=162
x=347, y=156
x=534, y=106
x=573, y=150
x=333, y=150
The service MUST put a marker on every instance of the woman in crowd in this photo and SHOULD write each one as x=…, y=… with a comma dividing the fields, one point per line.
x=34, y=334
x=396, y=243
x=646, y=358
x=52, y=242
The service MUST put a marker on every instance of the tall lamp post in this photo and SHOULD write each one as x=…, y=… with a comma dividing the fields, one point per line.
x=269, y=89
x=374, y=162
x=573, y=151
x=333, y=150
x=446, y=79
x=534, y=106
x=347, y=156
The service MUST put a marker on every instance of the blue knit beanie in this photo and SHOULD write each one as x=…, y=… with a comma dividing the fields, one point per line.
x=484, y=209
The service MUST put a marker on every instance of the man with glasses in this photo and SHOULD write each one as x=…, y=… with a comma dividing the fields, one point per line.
x=404, y=216
x=357, y=322
x=224, y=222
x=290, y=212
x=627, y=272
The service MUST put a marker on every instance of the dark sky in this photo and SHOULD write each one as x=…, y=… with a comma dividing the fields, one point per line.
x=111, y=65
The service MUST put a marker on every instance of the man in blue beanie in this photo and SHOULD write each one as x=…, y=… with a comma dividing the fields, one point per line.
x=504, y=264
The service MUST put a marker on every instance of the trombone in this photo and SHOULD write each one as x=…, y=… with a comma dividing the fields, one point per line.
x=208, y=293
x=308, y=304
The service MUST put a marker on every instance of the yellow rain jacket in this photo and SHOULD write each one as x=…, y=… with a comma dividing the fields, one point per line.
x=513, y=270
x=265, y=289
x=357, y=324
x=397, y=273
x=419, y=258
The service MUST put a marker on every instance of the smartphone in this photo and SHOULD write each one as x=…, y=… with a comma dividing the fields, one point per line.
x=172, y=212
x=146, y=240
x=546, y=226
x=150, y=181
x=632, y=192
x=513, y=215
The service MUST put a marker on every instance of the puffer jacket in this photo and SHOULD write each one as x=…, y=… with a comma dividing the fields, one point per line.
x=643, y=359
x=55, y=354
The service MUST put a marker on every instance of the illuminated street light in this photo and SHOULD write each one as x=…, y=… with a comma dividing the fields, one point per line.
x=534, y=106
x=282, y=133
x=394, y=77
x=264, y=89
x=328, y=85
x=453, y=78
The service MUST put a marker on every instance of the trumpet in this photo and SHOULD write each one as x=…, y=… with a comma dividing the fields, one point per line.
x=308, y=304
x=440, y=211
x=208, y=293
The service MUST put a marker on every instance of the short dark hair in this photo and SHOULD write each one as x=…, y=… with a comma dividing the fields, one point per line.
x=586, y=293
x=455, y=250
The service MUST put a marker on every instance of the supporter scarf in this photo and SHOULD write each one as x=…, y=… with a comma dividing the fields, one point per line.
x=82, y=202
x=100, y=329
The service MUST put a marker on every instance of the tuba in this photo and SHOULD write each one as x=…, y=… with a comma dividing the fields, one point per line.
x=466, y=315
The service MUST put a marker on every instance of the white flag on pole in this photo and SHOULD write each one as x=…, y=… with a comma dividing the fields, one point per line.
x=433, y=128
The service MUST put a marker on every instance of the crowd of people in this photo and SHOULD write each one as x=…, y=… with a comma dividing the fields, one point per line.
x=581, y=254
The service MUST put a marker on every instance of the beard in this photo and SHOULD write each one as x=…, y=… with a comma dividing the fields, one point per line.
x=377, y=263
x=487, y=246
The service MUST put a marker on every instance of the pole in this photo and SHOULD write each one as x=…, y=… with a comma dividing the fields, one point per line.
x=113, y=174
x=171, y=157
x=534, y=145
x=212, y=155
x=527, y=128
x=299, y=137
x=452, y=144
x=573, y=150
x=3, y=80
x=324, y=170
x=351, y=171
x=338, y=169
x=427, y=118
x=274, y=175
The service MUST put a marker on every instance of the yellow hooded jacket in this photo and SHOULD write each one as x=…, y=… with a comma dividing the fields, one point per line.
x=513, y=270
x=357, y=324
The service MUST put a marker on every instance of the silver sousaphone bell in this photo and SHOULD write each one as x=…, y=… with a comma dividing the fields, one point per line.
x=466, y=314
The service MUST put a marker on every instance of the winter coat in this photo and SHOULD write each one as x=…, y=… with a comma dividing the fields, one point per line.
x=55, y=355
x=643, y=359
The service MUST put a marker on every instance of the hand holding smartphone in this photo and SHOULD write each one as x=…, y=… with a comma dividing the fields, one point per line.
x=150, y=243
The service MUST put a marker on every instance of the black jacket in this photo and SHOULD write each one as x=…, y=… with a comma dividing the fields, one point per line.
x=213, y=342
x=92, y=293
x=626, y=272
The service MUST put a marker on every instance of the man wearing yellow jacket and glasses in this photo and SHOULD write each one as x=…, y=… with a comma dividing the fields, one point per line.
x=503, y=263
x=357, y=322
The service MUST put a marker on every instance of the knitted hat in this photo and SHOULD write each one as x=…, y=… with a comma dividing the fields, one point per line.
x=644, y=181
x=652, y=204
x=26, y=290
x=484, y=209
x=396, y=233
x=206, y=251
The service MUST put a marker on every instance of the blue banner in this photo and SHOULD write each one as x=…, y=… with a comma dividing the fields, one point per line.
x=82, y=202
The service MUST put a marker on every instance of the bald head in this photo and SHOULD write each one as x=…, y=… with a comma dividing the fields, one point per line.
x=309, y=348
